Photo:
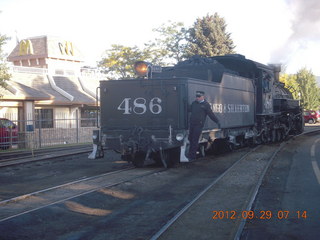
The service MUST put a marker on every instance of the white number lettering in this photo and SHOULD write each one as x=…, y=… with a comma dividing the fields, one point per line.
x=155, y=108
x=138, y=106
x=125, y=108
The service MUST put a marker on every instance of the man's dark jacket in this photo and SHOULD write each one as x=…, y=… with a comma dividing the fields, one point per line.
x=199, y=112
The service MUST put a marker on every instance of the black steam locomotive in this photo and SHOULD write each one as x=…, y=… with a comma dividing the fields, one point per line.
x=147, y=118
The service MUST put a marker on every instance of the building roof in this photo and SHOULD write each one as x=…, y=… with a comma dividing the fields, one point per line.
x=38, y=85
x=71, y=85
x=18, y=91
x=45, y=47
x=49, y=87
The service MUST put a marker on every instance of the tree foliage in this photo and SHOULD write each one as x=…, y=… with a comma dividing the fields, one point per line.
x=310, y=93
x=119, y=60
x=208, y=37
x=169, y=46
x=4, y=75
x=175, y=42
x=304, y=87
x=291, y=84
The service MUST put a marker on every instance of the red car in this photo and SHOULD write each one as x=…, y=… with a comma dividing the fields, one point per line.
x=311, y=116
x=8, y=133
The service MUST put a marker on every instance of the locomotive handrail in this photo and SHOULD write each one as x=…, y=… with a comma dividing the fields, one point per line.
x=97, y=104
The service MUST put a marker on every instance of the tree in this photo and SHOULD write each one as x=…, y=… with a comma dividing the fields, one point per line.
x=169, y=47
x=119, y=60
x=309, y=92
x=208, y=37
x=4, y=75
x=291, y=84
x=303, y=87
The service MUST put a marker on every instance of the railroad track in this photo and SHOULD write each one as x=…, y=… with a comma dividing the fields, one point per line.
x=227, y=218
x=157, y=195
x=20, y=205
x=19, y=157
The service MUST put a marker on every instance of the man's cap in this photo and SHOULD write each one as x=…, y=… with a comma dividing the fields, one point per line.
x=199, y=93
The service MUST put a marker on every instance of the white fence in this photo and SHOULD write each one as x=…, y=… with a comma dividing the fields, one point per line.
x=81, y=72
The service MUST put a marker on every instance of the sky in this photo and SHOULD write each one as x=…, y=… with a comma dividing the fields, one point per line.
x=284, y=32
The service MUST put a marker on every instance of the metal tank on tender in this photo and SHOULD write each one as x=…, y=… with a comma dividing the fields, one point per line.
x=148, y=117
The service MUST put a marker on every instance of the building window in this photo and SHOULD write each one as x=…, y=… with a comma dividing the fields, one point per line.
x=89, y=117
x=44, y=118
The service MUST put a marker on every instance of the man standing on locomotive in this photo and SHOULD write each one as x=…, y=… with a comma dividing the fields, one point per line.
x=200, y=109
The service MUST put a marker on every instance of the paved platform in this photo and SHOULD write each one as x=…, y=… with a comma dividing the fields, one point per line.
x=291, y=193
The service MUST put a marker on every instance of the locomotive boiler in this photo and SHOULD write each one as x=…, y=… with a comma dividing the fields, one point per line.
x=147, y=117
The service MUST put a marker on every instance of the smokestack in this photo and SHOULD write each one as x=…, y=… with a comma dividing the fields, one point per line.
x=276, y=71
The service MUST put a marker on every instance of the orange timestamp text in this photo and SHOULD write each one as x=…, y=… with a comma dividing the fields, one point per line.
x=263, y=214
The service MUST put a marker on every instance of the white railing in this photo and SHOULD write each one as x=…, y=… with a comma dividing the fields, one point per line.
x=58, y=72
x=96, y=75
x=28, y=70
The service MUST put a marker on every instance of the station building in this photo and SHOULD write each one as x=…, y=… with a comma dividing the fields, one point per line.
x=47, y=84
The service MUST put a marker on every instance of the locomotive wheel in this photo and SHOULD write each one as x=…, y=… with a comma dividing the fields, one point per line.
x=157, y=158
x=279, y=135
x=273, y=135
x=168, y=157
x=264, y=138
x=137, y=159
x=202, y=152
x=252, y=142
x=300, y=126
x=222, y=146
x=209, y=149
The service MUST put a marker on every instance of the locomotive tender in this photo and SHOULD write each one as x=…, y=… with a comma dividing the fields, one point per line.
x=147, y=118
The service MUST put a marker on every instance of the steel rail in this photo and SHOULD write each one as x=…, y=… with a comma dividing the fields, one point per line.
x=185, y=208
x=15, y=154
x=26, y=196
x=252, y=196
x=46, y=155
x=255, y=191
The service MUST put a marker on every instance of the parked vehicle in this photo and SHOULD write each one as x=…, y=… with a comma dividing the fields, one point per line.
x=311, y=116
x=8, y=133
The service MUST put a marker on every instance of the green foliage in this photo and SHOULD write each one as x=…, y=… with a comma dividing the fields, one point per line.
x=119, y=60
x=4, y=75
x=310, y=93
x=208, y=37
x=174, y=43
x=303, y=87
x=291, y=84
x=169, y=47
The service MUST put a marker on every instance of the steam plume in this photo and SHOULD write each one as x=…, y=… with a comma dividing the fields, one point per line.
x=305, y=26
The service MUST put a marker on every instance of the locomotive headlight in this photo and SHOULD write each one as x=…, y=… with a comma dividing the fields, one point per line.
x=141, y=68
x=179, y=136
